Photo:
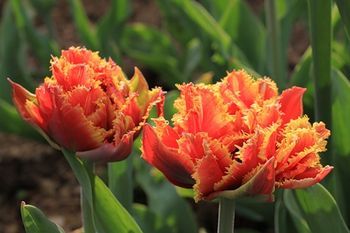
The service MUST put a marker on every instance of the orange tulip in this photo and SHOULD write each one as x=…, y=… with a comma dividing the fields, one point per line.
x=88, y=105
x=237, y=137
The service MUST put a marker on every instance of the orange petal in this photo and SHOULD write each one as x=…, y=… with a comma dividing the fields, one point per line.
x=291, y=101
x=26, y=105
x=267, y=89
x=201, y=110
x=261, y=182
x=69, y=127
x=177, y=168
x=204, y=181
x=310, y=178
x=109, y=152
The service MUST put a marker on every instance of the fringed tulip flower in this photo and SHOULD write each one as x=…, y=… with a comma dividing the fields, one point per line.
x=237, y=137
x=88, y=106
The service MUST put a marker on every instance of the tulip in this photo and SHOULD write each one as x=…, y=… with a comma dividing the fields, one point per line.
x=237, y=137
x=88, y=105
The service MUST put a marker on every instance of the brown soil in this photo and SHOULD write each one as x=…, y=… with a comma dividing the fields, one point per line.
x=35, y=173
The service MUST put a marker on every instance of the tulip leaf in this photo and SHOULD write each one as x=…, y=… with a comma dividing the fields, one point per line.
x=295, y=213
x=320, y=27
x=35, y=221
x=344, y=6
x=149, y=221
x=340, y=138
x=42, y=46
x=169, y=109
x=120, y=181
x=111, y=216
x=340, y=113
x=251, y=40
x=113, y=19
x=164, y=201
x=12, y=54
x=11, y=122
x=316, y=206
x=283, y=222
x=154, y=49
x=85, y=29
x=202, y=17
x=80, y=173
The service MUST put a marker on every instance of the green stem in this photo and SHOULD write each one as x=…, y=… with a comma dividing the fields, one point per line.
x=87, y=211
x=226, y=219
x=274, y=43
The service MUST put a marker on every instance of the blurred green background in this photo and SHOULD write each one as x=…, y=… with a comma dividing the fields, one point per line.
x=295, y=42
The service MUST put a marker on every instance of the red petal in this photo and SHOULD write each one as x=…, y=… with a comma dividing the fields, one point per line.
x=177, y=168
x=315, y=176
x=291, y=101
x=109, y=152
x=201, y=110
x=261, y=182
x=267, y=88
x=207, y=173
x=26, y=105
x=69, y=127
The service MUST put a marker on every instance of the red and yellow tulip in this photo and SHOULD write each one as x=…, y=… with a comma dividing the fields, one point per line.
x=88, y=105
x=237, y=137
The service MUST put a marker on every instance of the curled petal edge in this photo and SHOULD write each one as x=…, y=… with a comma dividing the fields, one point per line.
x=306, y=182
x=109, y=152
x=262, y=185
x=177, y=170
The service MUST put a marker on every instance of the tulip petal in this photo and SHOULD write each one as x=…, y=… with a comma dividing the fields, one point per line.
x=26, y=105
x=201, y=110
x=205, y=182
x=177, y=168
x=315, y=176
x=291, y=101
x=70, y=128
x=261, y=183
x=20, y=97
x=109, y=152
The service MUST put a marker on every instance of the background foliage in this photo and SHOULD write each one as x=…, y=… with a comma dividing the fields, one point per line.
x=198, y=41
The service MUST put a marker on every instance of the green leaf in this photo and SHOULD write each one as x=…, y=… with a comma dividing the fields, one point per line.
x=340, y=113
x=11, y=122
x=80, y=173
x=203, y=19
x=344, y=6
x=149, y=221
x=113, y=19
x=169, y=109
x=164, y=201
x=193, y=57
x=120, y=181
x=296, y=214
x=283, y=222
x=320, y=24
x=35, y=221
x=42, y=47
x=85, y=29
x=12, y=54
x=319, y=209
x=153, y=49
x=340, y=139
x=110, y=214
x=251, y=40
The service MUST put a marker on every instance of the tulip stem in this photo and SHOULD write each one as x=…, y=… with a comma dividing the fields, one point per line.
x=87, y=211
x=226, y=218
